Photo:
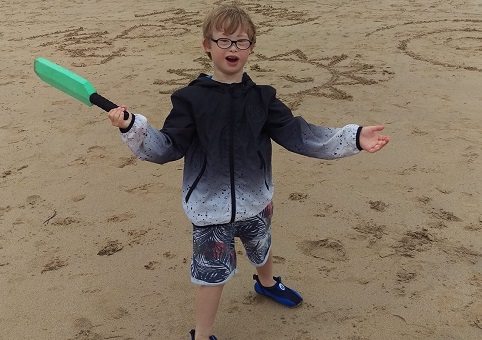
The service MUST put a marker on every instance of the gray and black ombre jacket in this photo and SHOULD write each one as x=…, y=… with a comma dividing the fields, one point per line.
x=224, y=133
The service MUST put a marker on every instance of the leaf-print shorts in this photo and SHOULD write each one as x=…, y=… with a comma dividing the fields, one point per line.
x=214, y=254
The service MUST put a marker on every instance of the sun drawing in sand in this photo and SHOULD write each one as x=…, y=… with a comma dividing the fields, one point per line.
x=295, y=75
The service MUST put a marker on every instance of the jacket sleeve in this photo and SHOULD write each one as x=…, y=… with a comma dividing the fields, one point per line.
x=299, y=136
x=165, y=145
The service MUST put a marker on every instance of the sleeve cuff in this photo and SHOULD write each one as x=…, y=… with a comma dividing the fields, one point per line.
x=358, y=138
x=134, y=118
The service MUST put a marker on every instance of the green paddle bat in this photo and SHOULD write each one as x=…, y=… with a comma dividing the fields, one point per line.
x=72, y=84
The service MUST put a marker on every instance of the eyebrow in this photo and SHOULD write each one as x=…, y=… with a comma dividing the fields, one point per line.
x=241, y=36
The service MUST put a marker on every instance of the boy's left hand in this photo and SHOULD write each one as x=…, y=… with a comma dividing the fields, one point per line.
x=370, y=141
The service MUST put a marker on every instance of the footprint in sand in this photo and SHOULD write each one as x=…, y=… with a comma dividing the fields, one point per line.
x=121, y=217
x=85, y=330
x=55, y=264
x=404, y=276
x=126, y=161
x=378, y=205
x=110, y=248
x=370, y=228
x=138, y=236
x=148, y=188
x=415, y=241
x=476, y=281
x=470, y=154
x=65, y=221
x=439, y=214
x=93, y=155
x=444, y=215
x=7, y=173
x=33, y=200
x=461, y=253
x=298, y=196
x=4, y=210
x=327, y=249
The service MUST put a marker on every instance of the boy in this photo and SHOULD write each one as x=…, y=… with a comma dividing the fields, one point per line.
x=223, y=126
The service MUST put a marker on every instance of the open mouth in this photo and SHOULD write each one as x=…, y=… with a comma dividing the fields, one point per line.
x=232, y=59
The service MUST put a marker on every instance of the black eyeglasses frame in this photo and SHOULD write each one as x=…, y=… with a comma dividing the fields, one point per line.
x=235, y=42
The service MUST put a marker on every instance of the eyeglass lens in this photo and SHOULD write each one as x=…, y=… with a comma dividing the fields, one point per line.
x=241, y=44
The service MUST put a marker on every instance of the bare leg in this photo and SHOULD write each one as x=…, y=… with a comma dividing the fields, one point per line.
x=207, y=302
x=265, y=272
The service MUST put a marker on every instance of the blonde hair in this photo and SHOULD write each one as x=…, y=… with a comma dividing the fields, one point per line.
x=228, y=18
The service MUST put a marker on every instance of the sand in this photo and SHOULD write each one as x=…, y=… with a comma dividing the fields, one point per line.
x=94, y=244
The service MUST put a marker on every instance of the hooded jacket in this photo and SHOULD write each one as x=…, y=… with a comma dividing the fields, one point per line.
x=224, y=133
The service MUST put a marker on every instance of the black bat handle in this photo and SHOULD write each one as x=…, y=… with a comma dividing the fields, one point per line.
x=105, y=104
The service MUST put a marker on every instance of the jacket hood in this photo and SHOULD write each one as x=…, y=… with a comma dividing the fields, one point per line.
x=205, y=80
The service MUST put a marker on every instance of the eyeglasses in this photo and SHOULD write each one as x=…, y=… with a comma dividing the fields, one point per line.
x=225, y=43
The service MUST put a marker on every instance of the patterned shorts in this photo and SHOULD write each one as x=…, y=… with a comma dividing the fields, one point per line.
x=214, y=254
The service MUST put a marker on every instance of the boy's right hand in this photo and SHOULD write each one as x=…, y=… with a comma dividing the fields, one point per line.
x=116, y=116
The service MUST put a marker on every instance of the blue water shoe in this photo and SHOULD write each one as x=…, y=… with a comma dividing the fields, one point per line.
x=279, y=292
x=192, y=332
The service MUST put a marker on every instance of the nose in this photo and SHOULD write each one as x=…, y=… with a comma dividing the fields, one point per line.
x=233, y=46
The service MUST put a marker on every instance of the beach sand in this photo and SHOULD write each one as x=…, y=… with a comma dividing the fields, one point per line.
x=94, y=244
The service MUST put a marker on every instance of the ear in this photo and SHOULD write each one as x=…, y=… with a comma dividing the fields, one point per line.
x=206, y=45
x=251, y=48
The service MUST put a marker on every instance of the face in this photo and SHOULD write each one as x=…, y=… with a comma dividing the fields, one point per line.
x=228, y=63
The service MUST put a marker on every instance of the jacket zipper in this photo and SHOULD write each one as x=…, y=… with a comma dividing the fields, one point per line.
x=231, y=158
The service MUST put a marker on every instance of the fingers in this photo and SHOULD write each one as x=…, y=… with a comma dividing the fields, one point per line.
x=116, y=117
x=379, y=144
x=384, y=138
